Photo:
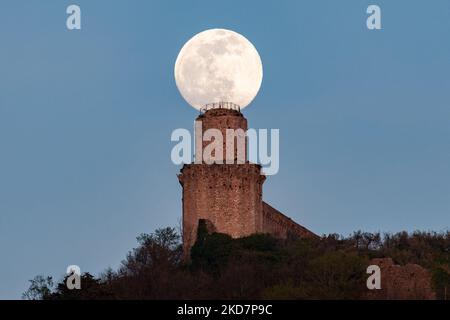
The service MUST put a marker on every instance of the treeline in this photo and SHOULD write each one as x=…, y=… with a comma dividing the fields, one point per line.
x=255, y=267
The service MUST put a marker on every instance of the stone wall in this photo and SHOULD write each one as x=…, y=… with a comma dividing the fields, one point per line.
x=223, y=119
x=408, y=282
x=230, y=196
x=281, y=226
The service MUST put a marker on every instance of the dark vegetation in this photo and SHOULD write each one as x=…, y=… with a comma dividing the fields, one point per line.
x=254, y=267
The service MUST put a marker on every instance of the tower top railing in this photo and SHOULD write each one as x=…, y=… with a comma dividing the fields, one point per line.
x=220, y=105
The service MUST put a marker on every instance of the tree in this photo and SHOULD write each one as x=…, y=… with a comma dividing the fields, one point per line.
x=40, y=288
x=254, y=267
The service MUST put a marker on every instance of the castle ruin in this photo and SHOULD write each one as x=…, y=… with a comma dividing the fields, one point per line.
x=229, y=196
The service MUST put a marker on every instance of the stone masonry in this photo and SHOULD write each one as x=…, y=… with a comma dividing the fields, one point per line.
x=228, y=196
x=407, y=282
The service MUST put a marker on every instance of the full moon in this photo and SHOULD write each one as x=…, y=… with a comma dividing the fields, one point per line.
x=218, y=65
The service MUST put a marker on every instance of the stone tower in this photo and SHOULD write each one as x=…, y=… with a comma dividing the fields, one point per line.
x=228, y=196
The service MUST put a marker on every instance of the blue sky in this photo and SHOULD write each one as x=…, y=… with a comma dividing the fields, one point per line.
x=86, y=118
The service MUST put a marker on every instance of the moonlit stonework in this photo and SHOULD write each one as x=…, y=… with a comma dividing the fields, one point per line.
x=218, y=65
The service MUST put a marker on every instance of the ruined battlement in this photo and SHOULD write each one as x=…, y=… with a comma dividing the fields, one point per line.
x=281, y=226
x=228, y=196
x=402, y=282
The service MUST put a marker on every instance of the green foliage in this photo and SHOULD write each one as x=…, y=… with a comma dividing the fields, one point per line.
x=211, y=251
x=258, y=242
x=40, y=288
x=285, y=292
x=255, y=267
x=336, y=275
x=91, y=289
x=161, y=248
x=441, y=282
